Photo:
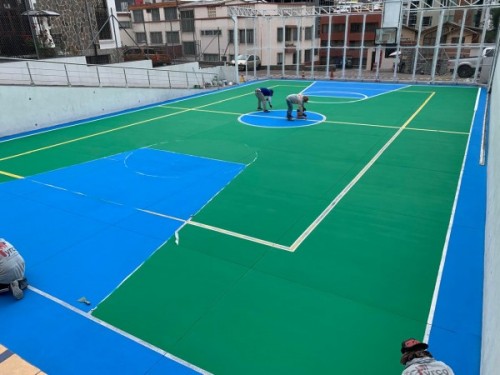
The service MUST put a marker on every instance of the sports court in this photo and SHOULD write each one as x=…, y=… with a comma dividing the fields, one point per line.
x=202, y=236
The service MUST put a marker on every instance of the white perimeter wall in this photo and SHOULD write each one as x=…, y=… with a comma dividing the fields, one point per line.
x=26, y=108
x=490, y=356
x=30, y=108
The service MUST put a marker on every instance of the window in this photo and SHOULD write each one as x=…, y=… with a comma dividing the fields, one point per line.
x=308, y=31
x=170, y=14
x=291, y=34
x=412, y=19
x=356, y=27
x=338, y=27
x=371, y=27
x=187, y=20
x=210, y=57
x=138, y=16
x=212, y=12
x=156, y=37
x=125, y=25
x=140, y=38
x=279, y=58
x=172, y=37
x=123, y=6
x=307, y=55
x=245, y=36
x=189, y=48
x=426, y=21
x=211, y=32
x=102, y=18
x=155, y=15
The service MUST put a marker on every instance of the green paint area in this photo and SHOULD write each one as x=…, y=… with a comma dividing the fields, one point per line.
x=364, y=275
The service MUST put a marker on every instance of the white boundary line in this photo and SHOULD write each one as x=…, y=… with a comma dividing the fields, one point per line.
x=439, y=277
x=116, y=330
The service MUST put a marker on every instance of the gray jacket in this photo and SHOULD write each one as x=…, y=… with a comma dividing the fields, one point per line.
x=11, y=263
x=427, y=366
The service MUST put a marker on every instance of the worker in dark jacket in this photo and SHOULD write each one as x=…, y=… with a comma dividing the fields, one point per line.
x=264, y=96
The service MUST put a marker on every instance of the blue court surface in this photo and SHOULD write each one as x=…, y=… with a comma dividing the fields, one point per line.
x=93, y=243
x=277, y=119
x=350, y=90
x=457, y=319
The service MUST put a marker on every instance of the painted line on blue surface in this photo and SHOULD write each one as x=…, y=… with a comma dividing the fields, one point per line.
x=116, y=330
x=432, y=310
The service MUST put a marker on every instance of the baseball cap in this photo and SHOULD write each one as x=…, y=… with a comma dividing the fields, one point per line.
x=413, y=345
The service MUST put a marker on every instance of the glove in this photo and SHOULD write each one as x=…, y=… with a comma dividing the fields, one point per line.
x=304, y=108
x=270, y=105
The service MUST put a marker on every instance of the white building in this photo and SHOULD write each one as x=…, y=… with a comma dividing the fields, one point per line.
x=204, y=30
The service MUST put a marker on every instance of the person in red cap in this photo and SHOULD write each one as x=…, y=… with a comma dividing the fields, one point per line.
x=417, y=360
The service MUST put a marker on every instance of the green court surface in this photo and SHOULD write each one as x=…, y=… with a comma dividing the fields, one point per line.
x=320, y=257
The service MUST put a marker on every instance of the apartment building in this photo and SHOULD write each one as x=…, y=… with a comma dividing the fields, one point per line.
x=204, y=30
x=348, y=34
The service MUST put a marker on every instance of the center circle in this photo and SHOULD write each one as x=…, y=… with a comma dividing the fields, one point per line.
x=278, y=119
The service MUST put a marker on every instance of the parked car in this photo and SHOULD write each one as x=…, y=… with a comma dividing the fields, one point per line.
x=246, y=62
x=467, y=66
x=158, y=58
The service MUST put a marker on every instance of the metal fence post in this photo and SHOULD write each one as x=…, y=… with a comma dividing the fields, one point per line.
x=98, y=76
x=29, y=72
x=67, y=75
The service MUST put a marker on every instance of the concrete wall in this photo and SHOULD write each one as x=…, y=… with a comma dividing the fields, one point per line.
x=490, y=356
x=51, y=101
x=30, y=108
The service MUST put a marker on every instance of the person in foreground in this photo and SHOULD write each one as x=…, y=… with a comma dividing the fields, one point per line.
x=11, y=270
x=299, y=100
x=417, y=360
x=264, y=96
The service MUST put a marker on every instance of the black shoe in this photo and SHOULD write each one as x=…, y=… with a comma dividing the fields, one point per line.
x=23, y=283
x=289, y=118
x=259, y=109
x=267, y=111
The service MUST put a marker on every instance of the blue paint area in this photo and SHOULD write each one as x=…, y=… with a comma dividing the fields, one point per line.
x=60, y=341
x=277, y=119
x=160, y=181
x=456, y=331
x=81, y=232
x=351, y=90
